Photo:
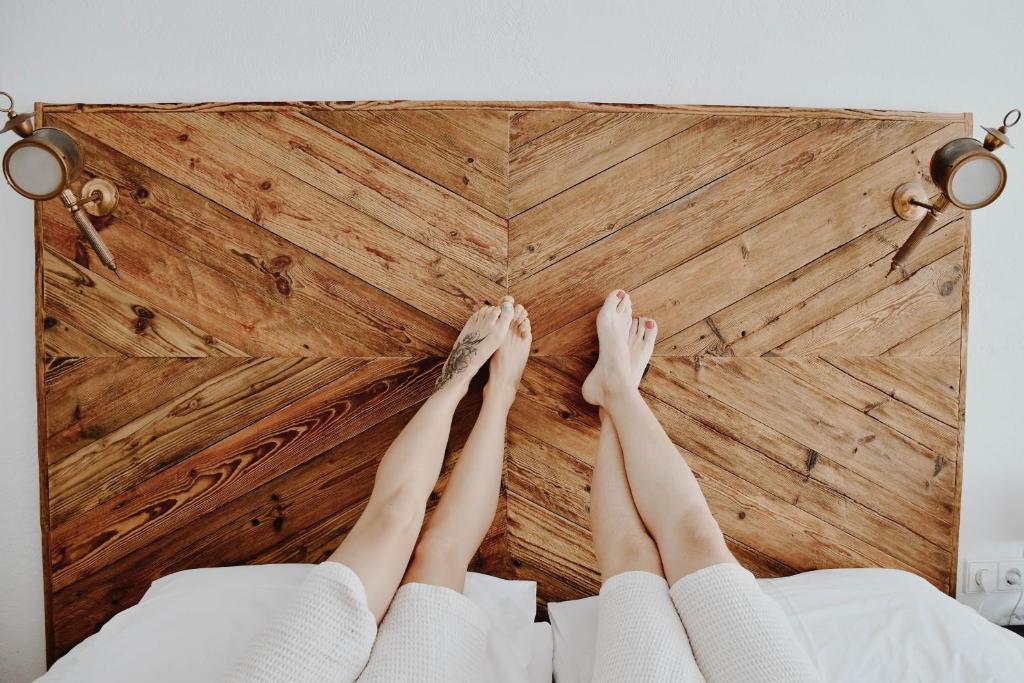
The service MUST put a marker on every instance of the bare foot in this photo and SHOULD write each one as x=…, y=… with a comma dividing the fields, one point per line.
x=481, y=336
x=612, y=371
x=642, y=333
x=508, y=361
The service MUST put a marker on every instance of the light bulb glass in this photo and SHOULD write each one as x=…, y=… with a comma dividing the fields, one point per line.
x=35, y=170
x=976, y=182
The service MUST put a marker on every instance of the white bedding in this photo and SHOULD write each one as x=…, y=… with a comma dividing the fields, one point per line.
x=857, y=624
x=190, y=626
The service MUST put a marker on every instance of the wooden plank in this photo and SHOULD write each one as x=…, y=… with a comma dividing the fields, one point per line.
x=888, y=317
x=582, y=148
x=62, y=340
x=434, y=147
x=884, y=407
x=941, y=339
x=42, y=364
x=188, y=423
x=929, y=385
x=762, y=438
x=305, y=293
x=237, y=464
x=103, y=394
x=843, y=521
x=796, y=302
x=761, y=515
x=646, y=182
x=954, y=537
x=462, y=105
x=774, y=183
x=749, y=515
x=375, y=185
x=526, y=126
x=171, y=280
x=184, y=150
x=119, y=319
x=567, y=549
x=759, y=256
x=817, y=420
x=486, y=124
x=549, y=477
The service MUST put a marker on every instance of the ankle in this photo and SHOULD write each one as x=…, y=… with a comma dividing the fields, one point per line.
x=499, y=397
x=618, y=394
x=454, y=389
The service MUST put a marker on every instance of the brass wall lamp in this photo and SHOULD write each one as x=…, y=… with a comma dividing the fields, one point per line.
x=967, y=174
x=44, y=163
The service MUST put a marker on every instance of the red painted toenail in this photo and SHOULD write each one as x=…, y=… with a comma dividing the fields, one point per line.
x=649, y=324
x=620, y=294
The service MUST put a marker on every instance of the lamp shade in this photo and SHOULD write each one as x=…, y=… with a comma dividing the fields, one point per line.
x=967, y=173
x=42, y=164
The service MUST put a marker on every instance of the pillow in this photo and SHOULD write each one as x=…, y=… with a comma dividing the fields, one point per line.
x=858, y=625
x=192, y=625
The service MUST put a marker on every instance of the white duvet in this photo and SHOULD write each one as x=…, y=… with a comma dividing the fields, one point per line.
x=862, y=625
x=859, y=625
x=192, y=625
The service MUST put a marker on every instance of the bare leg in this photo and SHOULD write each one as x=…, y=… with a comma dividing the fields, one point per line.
x=621, y=541
x=465, y=512
x=380, y=544
x=639, y=634
x=664, y=489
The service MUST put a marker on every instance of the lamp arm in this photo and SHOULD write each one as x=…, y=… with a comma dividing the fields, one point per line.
x=922, y=229
x=87, y=229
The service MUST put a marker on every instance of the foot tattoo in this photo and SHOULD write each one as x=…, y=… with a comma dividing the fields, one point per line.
x=481, y=336
x=462, y=353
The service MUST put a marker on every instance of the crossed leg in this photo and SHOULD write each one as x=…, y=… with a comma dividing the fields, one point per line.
x=379, y=546
x=328, y=629
x=639, y=634
x=621, y=541
x=665, y=492
x=736, y=632
x=432, y=632
x=466, y=510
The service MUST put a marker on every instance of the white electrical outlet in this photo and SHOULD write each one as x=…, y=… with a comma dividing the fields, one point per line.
x=981, y=577
x=1004, y=583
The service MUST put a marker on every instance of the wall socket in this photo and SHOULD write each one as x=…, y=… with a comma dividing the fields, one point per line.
x=1004, y=575
x=994, y=575
x=987, y=572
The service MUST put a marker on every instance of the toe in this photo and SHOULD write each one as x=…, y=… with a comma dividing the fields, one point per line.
x=614, y=298
x=634, y=328
x=491, y=313
x=650, y=332
x=520, y=313
x=625, y=305
x=506, y=313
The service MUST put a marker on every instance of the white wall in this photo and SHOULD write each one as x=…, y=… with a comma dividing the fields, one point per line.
x=769, y=52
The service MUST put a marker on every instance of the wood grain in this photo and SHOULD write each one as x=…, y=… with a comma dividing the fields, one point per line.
x=462, y=105
x=293, y=274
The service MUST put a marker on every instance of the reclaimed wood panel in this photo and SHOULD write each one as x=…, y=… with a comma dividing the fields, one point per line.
x=293, y=273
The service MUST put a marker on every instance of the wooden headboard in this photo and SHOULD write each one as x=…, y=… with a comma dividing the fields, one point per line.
x=292, y=275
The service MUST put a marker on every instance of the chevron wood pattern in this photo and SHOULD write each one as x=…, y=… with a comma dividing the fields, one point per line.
x=294, y=273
